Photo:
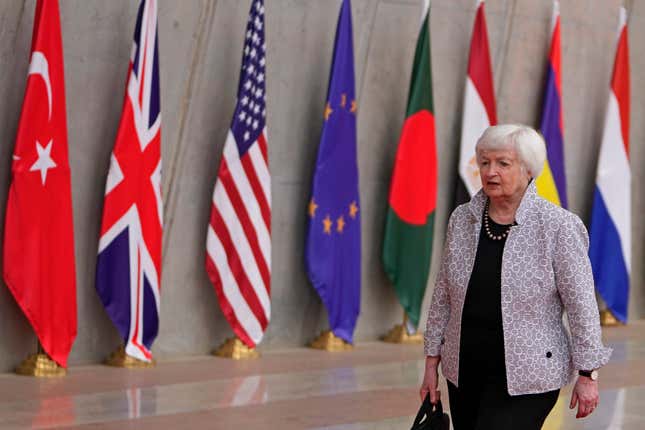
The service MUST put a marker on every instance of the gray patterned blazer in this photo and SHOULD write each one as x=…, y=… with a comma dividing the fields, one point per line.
x=545, y=270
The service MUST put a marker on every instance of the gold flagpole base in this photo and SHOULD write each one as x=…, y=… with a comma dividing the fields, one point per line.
x=120, y=359
x=40, y=366
x=328, y=341
x=236, y=349
x=607, y=319
x=399, y=334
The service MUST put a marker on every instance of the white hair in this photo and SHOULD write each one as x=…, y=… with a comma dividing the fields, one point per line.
x=527, y=142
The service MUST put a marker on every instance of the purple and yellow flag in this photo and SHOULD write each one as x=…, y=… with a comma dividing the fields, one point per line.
x=552, y=184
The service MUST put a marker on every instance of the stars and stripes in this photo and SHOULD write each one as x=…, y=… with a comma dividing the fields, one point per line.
x=128, y=273
x=238, y=245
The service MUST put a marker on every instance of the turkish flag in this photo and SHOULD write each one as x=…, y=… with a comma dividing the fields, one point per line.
x=39, y=263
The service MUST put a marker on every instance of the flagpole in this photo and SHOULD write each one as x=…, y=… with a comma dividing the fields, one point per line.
x=40, y=365
x=120, y=358
x=607, y=319
x=234, y=348
x=400, y=333
x=328, y=341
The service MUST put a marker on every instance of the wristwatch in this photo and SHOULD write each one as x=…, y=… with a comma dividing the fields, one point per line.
x=592, y=374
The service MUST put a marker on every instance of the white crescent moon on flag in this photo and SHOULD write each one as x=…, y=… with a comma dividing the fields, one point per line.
x=39, y=66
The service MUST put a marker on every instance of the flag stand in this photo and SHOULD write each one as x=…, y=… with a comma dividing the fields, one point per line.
x=399, y=334
x=236, y=349
x=328, y=341
x=607, y=319
x=120, y=359
x=40, y=366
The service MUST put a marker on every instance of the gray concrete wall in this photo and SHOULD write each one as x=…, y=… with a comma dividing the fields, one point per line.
x=200, y=48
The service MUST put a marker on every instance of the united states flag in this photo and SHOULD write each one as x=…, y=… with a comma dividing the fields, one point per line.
x=128, y=273
x=238, y=245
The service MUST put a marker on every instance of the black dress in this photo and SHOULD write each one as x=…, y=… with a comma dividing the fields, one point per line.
x=482, y=401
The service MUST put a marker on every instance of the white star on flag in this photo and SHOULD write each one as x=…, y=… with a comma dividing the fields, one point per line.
x=44, y=161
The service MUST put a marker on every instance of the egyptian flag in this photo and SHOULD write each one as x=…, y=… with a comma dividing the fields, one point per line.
x=552, y=184
x=610, y=232
x=479, y=108
x=407, y=246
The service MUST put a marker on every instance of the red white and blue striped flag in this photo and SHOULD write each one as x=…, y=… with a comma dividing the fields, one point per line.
x=610, y=232
x=128, y=273
x=238, y=244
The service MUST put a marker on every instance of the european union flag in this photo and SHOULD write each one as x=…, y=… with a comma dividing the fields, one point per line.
x=333, y=249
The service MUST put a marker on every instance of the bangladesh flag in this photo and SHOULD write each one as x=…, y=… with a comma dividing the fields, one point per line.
x=407, y=246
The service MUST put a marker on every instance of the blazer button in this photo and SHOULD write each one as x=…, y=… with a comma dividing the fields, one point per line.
x=548, y=354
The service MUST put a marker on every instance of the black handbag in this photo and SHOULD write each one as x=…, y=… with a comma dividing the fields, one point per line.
x=431, y=417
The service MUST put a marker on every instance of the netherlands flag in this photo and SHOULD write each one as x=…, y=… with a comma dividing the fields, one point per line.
x=551, y=183
x=610, y=233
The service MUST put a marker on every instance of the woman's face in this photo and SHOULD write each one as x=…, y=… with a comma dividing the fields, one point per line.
x=502, y=173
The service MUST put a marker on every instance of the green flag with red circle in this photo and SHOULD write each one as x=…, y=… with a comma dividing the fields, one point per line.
x=407, y=245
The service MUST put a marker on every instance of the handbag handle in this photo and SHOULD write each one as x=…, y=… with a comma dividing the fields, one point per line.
x=426, y=410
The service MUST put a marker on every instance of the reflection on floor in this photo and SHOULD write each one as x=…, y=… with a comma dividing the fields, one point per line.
x=373, y=387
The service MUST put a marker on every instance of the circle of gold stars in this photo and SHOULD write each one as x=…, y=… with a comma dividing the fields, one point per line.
x=340, y=222
x=343, y=104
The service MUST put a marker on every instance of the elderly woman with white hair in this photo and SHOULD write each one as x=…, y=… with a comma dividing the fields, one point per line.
x=512, y=263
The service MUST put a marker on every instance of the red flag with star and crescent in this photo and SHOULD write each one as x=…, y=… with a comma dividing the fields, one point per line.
x=39, y=265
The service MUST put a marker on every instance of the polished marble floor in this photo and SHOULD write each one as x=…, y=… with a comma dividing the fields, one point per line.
x=372, y=387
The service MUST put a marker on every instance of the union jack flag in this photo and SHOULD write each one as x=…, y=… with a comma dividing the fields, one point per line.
x=238, y=245
x=128, y=273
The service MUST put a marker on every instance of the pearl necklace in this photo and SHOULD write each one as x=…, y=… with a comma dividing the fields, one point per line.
x=487, y=226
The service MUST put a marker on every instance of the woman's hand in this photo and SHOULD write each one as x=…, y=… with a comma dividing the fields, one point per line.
x=431, y=380
x=585, y=394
